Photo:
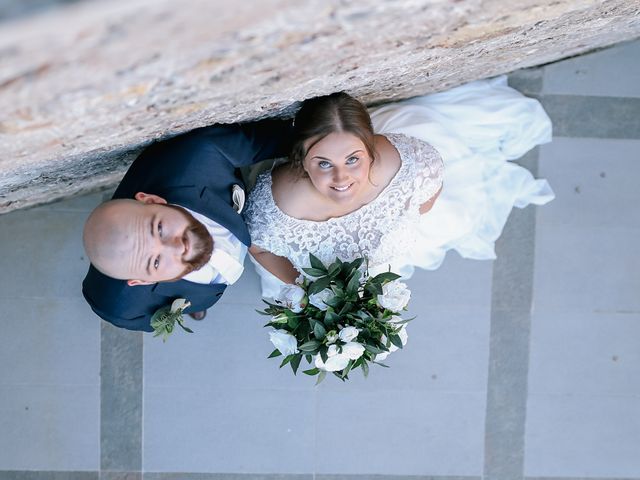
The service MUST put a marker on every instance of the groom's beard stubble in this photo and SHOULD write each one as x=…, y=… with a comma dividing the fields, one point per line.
x=200, y=244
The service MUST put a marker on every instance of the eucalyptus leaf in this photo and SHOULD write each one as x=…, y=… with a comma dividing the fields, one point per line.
x=295, y=363
x=385, y=277
x=355, y=264
x=314, y=272
x=321, y=376
x=319, y=331
x=311, y=371
x=334, y=270
x=381, y=364
x=319, y=285
x=374, y=350
x=275, y=353
x=309, y=346
x=316, y=262
x=396, y=340
x=365, y=369
x=286, y=360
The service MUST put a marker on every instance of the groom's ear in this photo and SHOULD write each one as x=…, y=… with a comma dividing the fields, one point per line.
x=149, y=198
x=133, y=283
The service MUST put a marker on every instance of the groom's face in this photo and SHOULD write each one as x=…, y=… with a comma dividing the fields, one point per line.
x=146, y=241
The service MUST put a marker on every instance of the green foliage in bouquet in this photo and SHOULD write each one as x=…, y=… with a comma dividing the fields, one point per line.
x=336, y=314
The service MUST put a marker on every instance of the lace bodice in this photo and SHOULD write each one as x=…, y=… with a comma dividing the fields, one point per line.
x=382, y=229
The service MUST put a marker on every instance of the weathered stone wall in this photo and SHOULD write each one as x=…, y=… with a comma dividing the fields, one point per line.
x=82, y=88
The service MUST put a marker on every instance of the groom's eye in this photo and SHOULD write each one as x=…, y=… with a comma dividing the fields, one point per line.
x=156, y=263
x=160, y=229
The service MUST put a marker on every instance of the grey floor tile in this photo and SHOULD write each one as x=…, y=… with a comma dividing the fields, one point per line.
x=215, y=429
x=120, y=475
x=585, y=354
x=121, y=399
x=586, y=269
x=527, y=81
x=413, y=433
x=447, y=351
x=50, y=427
x=583, y=436
x=229, y=349
x=49, y=341
x=47, y=475
x=614, y=71
x=245, y=291
x=226, y=476
x=595, y=182
x=594, y=117
x=459, y=282
x=47, y=259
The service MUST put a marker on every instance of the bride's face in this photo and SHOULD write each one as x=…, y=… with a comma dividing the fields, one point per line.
x=338, y=166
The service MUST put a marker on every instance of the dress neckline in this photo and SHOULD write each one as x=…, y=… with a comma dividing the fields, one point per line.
x=392, y=137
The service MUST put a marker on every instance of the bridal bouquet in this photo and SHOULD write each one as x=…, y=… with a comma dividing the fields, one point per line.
x=338, y=318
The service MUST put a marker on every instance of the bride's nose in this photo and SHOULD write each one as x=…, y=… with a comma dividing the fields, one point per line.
x=339, y=175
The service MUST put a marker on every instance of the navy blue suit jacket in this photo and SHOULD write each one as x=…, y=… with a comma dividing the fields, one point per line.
x=196, y=170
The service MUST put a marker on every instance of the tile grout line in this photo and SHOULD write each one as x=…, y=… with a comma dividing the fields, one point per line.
x=511, y=301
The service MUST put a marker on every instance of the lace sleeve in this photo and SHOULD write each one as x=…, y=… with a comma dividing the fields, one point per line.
x=262, y=215
x=428, y=172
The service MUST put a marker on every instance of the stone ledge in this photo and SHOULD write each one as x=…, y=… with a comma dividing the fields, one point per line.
x=84, y=87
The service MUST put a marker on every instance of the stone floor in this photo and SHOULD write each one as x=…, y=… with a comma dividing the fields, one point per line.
x=526, y=367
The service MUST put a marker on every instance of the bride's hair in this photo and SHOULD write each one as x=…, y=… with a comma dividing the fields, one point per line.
x=321, y=116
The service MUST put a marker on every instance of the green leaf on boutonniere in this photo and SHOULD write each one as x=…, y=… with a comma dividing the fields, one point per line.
x=164, y=320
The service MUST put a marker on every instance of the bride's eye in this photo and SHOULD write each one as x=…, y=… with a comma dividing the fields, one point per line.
x=160, y=229
x=352, y=160
x=324, y=164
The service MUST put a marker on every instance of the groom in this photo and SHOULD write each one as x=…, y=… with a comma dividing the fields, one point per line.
x=173, y=228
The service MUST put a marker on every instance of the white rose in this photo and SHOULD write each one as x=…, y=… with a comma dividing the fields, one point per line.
x=348, y=333
x=395, y=296
x=353, y=350
x=333, y=364
x=332, y=350
x=293, y=297
x=284, y=342
x=331, y=337
x=392, y=348
x=179, y=304
x=319, y=299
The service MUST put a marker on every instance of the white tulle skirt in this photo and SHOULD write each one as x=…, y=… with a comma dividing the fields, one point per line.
x=477, y=128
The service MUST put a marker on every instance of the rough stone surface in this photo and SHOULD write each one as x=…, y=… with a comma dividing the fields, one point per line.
x=84, y=87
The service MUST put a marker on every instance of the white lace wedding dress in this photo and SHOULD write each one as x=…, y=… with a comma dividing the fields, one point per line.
x=472, y=130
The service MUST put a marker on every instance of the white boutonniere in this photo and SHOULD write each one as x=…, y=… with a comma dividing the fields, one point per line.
x=164, y=320
x=238, y=198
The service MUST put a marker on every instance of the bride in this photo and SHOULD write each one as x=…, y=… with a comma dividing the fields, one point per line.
x=434, y=177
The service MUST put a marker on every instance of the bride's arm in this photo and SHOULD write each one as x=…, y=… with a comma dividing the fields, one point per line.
x=426, y=206
x=278, y=266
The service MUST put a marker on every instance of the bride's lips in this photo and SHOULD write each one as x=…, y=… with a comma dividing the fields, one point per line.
x=342, y=188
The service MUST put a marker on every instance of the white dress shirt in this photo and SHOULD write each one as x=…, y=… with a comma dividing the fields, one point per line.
x=227, y=258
